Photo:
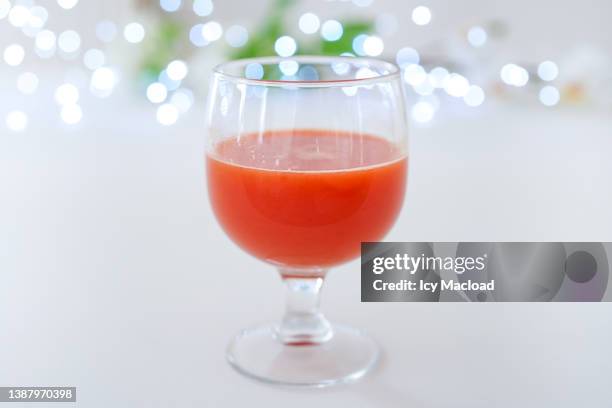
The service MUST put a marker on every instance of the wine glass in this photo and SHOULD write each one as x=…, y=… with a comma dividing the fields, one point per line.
x=306, y=158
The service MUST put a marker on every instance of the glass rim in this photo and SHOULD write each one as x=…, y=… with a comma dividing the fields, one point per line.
x=393, y=71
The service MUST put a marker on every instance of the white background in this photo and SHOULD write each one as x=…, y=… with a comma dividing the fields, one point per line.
x=116, y=279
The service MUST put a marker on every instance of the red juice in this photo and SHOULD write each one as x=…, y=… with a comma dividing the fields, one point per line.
x=306, y=198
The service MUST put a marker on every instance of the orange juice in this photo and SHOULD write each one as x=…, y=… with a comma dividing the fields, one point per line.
x=306, y=198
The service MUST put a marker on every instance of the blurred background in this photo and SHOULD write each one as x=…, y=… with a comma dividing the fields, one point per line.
x=115, y=277
x=65, y=61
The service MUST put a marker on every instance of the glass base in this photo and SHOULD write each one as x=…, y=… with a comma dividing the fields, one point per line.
x=346, y=357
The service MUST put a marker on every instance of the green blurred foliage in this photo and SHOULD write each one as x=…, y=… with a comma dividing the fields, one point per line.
x=169, y=40
x=262, y=39
x=162, y=49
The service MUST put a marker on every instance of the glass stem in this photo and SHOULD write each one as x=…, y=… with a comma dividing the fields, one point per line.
x=303, y=323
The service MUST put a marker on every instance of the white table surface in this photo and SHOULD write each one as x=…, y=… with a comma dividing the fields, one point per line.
x=116, y=279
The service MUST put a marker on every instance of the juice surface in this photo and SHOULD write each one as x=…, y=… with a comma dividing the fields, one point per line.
x=306, y=198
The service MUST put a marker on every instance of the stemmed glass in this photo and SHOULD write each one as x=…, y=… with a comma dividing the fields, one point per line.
x=306, y=158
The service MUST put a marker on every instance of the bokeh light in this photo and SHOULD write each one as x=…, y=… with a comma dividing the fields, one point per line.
x=134, y=33
x=406, y=56
x=514, y=75
x=103, y=81
x=177, y=70
x=27, y=83
x=170, y=5
x=236, y=36
x=477, y=36
x=36, y=21
x=45, y=43
x=423, y=112
x=38, y=17
x=19, y=15
x=548, y=71
x=363, y=3
x=331, y=30
x=341, y=68
x=373, y=46
x=182, y=99
x=212, y=31
x=421, y=15
x=14, y=54
x=157, y=92
x=66, y=94
x=308, y=73
x=167, y=114
x=170, y=92
x=549, y=95
x=438, y=77
x=254, y=71
x=67, y=4
x=69, y=41
x=285, y=46
x=457, y=85
x=169, y=83
x=289, y=67
x=475, y=96
x=45, y=40
x=203, y=8
x=5, y=7
x=196, y=37
x=358, y=42
x=71, y=114
x=16, y=120
x=94, y=58
x=309, y=23
x=414, y=74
